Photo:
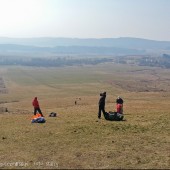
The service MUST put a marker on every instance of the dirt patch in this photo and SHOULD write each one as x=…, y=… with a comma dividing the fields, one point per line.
x=142, y=81
x=139, y=86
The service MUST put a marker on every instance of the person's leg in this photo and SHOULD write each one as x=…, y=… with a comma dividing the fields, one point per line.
x=99, y=113
x=39, y=110
x=35, y=111
x=103, y=110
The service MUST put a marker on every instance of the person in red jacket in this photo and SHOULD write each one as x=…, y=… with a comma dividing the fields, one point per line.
x=35, y=103
x=119, y=105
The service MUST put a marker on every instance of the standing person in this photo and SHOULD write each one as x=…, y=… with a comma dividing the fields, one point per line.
x=35, y=103
x=102, y=104
x=119, y=105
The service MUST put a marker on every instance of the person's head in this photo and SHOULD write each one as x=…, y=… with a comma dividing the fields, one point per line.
x=103, y=94
x=35, y=98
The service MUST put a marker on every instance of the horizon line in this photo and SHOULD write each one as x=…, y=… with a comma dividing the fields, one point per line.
x=54, y=37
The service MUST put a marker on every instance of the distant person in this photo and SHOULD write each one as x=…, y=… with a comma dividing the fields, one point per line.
x=102, y=104
x=35, y=103
x=119, y=105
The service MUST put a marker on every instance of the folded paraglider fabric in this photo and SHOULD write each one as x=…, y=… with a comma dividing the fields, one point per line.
x=113, y=116
x=38, y=119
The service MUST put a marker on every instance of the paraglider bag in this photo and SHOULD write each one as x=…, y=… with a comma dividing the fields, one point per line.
x=52, y=114
x=113, y=116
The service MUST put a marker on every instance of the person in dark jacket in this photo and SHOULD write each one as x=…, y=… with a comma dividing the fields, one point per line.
x=102, y=104
x=36, y=106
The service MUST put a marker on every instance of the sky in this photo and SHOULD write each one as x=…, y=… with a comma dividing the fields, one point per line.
x=149, y=19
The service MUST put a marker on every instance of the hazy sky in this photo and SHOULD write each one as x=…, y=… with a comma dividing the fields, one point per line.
x=148, y=19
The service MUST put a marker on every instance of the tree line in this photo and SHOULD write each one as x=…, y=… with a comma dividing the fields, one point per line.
x=52, y=62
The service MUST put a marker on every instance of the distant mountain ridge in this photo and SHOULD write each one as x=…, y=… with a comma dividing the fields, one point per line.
x=124, y=42
x=124, y=45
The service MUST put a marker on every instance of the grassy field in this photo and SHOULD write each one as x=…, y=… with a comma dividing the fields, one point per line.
x=76, y=139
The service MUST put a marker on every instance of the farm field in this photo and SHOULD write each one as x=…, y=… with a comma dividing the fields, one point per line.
x=76, y=139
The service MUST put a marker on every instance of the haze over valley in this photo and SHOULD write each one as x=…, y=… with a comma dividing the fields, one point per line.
x=62, y=58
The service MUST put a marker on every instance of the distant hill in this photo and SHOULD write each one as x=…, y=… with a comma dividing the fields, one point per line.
x=81, y=46
x=87, y=50
x=124, y=42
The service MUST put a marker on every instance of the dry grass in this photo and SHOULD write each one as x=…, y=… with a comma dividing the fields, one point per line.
x=76, y=139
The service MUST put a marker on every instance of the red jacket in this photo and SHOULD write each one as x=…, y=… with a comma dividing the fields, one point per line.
x=35, y=103
x=119, y=108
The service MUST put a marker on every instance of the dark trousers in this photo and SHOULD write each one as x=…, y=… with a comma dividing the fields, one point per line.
x=37, y=110
x=101, y=109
